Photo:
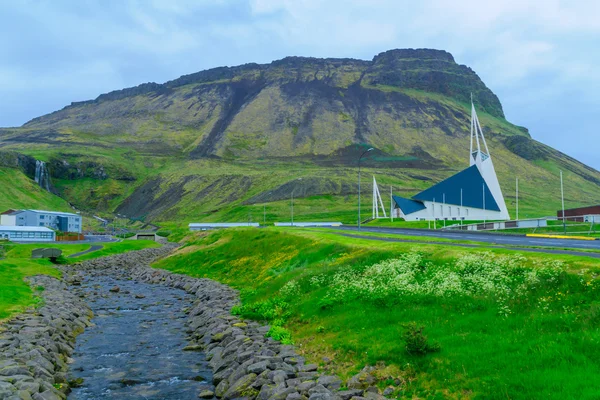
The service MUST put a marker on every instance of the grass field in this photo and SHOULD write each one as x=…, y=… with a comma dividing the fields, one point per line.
x=16, y=295
x=508, y=325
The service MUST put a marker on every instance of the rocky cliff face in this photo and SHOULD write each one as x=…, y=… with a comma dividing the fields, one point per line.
x=290, y=107
x=216, y=142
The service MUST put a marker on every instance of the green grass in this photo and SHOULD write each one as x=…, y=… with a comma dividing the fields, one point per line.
x=545, y=346
x=18, y=191
x=16, y=294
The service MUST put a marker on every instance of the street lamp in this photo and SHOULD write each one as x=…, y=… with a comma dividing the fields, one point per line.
x=299, y=179
x=361, y=156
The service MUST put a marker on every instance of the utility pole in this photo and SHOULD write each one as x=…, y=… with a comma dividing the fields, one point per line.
x=299, y=179
x=562, y=197
x=359, y=158
x=461, y=208
x=264, y=214
x=483, y=191
x=391, y=205
x=517, y=198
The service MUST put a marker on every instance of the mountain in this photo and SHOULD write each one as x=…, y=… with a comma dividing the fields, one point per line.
x=216, y=143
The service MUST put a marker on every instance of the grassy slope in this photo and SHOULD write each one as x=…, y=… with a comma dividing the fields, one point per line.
x=18, y=191
x=212, y=191
x=16, y=294
x=546, y=347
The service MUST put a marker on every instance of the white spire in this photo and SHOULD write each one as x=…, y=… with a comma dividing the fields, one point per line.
x=376, y=200
x=481, y=157
x=477, y=156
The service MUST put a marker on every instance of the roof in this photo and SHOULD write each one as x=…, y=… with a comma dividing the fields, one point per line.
x=473, y=187
x=408, y=206
x=221, y=224
x=53, y=212
x=9, y=212
x=25, y=229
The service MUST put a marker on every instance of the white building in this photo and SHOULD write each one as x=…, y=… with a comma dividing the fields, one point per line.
x=27, y=234
x=472, y=194
x=60, y=221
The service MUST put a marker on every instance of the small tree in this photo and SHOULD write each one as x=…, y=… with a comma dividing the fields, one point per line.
x=415, y=342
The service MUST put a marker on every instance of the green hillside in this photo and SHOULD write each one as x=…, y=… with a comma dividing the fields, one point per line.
x=18, y=191
x=229, y=143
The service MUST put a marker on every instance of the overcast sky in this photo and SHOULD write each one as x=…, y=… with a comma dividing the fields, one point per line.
x=540, y=57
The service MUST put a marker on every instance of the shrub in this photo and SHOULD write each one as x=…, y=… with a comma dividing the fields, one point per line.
x=415, y=341
x=163, y=233
x=269, y=310
x=125, y=235
x=281, y=334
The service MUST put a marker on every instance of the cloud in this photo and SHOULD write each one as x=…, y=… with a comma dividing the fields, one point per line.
x=536, y=55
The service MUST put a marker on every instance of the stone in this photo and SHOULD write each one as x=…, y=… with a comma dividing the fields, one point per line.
x=258, y=367
x=221, y=388
x=308, y=368
x=304, y=387
x=206, y=394
x=31, y=387
x=115, y=289
x=278, y=376
x=362, y=380
x=266, y=391
x=47, y=395
x=350, y=393
x=373, y=396
x=140, y=296
x=321, y=396
x=6, y=389
x=241, y=388
x=295, y=396
x=388, y=391
x=193, y=347
x=14, y=369
x=331, y=382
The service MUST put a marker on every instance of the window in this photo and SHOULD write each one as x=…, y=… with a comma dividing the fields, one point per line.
x=442, y=210
x=449, y=211
x=467, y=212
x=42, y=216
x=41, y=224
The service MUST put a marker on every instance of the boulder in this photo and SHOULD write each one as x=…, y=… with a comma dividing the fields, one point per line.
x=242, y=388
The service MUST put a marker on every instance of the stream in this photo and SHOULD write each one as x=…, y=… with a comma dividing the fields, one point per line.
x=135, y=348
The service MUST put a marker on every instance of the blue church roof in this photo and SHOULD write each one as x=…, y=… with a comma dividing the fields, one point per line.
x=408, y=206
x=473, y=188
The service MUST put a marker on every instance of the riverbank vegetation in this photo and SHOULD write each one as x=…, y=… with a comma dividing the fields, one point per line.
x=17, y=264
x=447, y=322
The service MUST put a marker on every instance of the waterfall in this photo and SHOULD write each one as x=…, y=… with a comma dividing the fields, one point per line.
x=42, y=178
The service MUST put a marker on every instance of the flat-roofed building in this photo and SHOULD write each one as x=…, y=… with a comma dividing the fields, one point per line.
x=27, y=234
x=59, y=221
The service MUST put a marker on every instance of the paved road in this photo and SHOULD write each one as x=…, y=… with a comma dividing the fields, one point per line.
x=92, y=248
x=504, y=240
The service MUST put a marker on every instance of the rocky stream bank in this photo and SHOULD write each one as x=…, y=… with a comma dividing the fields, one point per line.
x=37, y=346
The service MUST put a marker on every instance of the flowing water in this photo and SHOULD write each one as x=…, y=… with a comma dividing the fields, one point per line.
x=42, y=178
x=134, y=349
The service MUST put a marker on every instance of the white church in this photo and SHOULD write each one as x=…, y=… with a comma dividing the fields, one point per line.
x=472, y=194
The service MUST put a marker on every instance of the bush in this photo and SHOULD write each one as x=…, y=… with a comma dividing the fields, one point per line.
x=163, y=233
x=415, y=342
x=126, y=235
x=281, y=334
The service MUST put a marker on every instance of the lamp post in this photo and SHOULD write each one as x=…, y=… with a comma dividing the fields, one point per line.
x=359, y=158
x=299, y=179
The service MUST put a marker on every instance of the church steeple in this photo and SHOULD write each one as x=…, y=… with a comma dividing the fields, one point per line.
x=477, y=155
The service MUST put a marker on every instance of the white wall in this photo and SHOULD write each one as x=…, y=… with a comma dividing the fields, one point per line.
x=8, y=220
x=442, y=211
